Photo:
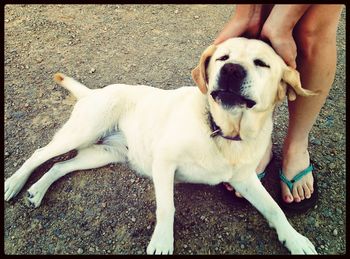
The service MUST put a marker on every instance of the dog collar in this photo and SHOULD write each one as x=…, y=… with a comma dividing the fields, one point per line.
x=216, y=130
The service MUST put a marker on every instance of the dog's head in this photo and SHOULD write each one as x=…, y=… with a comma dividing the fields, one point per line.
x=243, y=77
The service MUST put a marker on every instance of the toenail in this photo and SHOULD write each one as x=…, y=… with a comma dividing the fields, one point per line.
x=287, y=198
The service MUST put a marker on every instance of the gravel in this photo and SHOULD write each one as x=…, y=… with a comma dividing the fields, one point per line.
x=156, y=45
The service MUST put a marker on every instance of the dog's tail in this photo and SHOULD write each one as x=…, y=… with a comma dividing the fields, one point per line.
x=77, y=89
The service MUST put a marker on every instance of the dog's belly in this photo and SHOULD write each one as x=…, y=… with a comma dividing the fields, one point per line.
x=190, y=171
x=193, y=173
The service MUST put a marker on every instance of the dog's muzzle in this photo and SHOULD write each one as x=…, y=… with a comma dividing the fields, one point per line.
x=229, y=89
x=232, y=99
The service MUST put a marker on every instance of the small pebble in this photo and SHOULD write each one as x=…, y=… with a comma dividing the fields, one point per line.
x=87, y=233
x=315, y=141
x=335, y=232
x=242, y=246
x=91, y=249
x=196, y=17
x=80, y=251
x=92, y=70
x=176, y=11
x=133, y=219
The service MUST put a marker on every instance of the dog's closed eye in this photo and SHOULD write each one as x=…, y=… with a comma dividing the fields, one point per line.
x=223, y=58
x=260, y=63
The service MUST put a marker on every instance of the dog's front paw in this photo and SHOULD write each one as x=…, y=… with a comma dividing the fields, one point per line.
x=35, y=195
x=12, y=187
x=297, y=243
x=161, y=244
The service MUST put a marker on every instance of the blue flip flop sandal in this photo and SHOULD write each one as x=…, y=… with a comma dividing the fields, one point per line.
x=261, y=175
x=305, y=204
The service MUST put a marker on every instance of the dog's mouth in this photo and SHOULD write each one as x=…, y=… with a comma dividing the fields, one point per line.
x=230, y=98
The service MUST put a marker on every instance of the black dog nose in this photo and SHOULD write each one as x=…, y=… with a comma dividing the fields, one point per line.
x=231, y=77
x=234, y=70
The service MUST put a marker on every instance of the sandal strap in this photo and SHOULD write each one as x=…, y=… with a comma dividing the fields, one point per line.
x=296, y=178
x=261, y=175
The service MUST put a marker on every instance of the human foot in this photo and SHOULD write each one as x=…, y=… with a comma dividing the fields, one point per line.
x=295, y=161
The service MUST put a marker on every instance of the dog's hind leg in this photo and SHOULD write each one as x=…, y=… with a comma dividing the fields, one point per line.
x=87, y=158
x=15, y=183
x=87, y=123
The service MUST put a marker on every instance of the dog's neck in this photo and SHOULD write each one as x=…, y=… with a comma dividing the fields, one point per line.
x=216, y=130
x=224, y=124
x=239, y=125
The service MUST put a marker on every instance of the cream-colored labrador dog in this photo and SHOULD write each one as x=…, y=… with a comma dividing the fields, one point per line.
x=217, y=134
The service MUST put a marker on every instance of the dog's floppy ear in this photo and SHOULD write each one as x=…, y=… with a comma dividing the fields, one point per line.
x=291, y=85
x=284, y=90
x=199, y=73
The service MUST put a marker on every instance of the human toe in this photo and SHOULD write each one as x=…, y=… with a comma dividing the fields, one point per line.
x=295, y=194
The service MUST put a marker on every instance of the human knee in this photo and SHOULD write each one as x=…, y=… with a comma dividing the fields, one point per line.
x=317, y=30
x=312, y=40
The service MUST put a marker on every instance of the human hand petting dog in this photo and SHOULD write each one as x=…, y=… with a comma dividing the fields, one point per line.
x=268, y=23
x=246, y=22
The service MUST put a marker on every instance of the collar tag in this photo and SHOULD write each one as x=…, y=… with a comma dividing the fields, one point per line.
x=215, y=133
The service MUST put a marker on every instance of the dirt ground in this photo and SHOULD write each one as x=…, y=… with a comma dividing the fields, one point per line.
x=111, y=210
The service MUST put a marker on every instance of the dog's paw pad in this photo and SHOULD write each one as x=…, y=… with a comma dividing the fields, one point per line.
x=34, y=198
x=298, y=244
x=12, y=186
x=162, y=246
x=29, y=195
x=153, y=250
